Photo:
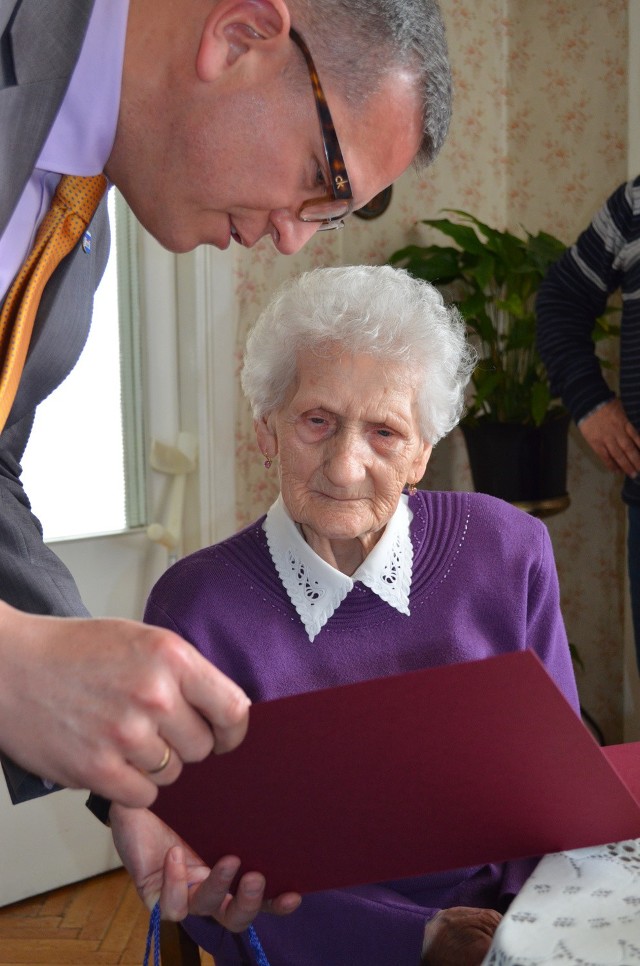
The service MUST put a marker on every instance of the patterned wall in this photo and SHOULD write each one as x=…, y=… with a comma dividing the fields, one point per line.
x=538, y=139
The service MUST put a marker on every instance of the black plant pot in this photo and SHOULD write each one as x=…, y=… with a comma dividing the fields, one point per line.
x=520, y=464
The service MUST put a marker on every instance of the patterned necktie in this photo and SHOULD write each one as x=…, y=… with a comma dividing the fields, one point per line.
x=72, y=208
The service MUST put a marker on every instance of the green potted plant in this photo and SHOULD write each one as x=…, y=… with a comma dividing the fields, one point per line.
x=516, y=433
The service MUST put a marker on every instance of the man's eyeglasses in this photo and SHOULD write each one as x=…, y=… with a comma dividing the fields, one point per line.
x=328, y=211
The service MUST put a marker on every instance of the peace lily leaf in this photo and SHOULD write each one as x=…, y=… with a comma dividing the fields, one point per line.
x=540, y=400
x=462, y=234
x=411, y=251
x=484, y=270
x=490, y=234
x=521, y=335
x=485, y=383
x=473, y=304
x=443, y=266
x=512, y=304
x=545, y=249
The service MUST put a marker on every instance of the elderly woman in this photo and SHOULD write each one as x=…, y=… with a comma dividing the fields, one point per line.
x=354, y=374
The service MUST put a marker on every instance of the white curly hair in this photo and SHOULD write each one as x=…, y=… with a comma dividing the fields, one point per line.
x=363, y=309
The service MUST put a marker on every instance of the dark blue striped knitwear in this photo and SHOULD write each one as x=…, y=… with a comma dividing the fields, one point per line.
x=605, y=258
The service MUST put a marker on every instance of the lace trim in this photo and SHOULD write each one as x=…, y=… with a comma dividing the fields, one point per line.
x=393, y=583
x=316, y=589
x=314, y=602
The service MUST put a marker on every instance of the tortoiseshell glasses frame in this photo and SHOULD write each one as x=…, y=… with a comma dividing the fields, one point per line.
x=327, y=211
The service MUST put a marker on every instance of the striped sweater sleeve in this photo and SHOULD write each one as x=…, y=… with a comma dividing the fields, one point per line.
x=575, y=292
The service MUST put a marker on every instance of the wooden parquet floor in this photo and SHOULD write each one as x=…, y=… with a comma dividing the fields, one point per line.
x=99, y=921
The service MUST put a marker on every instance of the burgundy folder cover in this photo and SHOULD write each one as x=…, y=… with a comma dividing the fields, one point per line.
x=626, y=762
x=395, y=777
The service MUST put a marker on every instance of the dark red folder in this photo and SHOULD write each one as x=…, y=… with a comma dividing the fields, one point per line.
x=400, y=776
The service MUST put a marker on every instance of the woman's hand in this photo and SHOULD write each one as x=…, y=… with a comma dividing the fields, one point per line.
x=459, y=936
x=164, y=868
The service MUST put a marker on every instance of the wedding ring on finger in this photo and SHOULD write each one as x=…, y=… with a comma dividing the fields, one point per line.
x=163, y=764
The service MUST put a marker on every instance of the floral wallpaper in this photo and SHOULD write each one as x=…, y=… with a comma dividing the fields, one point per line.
x=538, y=139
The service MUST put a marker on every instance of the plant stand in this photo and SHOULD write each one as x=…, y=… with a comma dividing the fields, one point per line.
x=544, y=508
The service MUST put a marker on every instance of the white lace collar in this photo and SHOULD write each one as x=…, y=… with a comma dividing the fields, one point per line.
x=316, y=589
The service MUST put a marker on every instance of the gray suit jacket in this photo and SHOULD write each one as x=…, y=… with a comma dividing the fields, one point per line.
x=40, y=41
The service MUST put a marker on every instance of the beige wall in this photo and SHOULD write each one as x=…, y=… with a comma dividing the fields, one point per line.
x=539, y=138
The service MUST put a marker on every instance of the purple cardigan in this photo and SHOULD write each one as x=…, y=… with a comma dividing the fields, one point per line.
x=484, y=583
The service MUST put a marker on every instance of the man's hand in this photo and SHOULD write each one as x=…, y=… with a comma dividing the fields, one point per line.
x=98, y=704
x=612, y=437
x=163, y=867
x=459, y=936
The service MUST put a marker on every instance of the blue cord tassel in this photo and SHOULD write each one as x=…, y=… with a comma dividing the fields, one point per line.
x=257, y=947
x=153, y=936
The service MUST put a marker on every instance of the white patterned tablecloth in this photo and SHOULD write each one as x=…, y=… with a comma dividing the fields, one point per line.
x=578, y=907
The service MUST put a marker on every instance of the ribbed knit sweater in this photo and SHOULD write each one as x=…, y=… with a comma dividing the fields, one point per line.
x=484, y=583
x=605, y=258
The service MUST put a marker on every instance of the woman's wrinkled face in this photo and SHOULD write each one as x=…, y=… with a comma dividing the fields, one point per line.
x=347, y=439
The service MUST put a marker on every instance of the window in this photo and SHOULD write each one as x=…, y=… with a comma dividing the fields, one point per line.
x=83, y=469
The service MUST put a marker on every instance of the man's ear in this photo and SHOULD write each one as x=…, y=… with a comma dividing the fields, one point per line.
x=235, y=27
x=266, y=436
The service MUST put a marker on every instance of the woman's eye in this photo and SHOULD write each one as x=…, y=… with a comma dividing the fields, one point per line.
x=313, y=428
x=385, y=433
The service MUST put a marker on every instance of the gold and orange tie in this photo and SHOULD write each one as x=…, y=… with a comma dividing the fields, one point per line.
x=72, y=208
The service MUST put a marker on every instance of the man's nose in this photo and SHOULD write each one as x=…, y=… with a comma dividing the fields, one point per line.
x=289, y=234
